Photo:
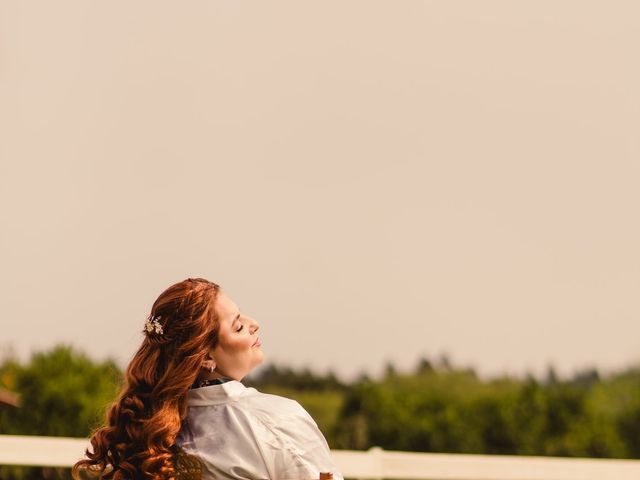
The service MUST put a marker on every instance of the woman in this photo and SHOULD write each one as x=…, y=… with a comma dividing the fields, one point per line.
x=183, y=411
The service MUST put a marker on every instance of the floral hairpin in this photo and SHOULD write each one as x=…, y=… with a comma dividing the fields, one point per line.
x=151, y=325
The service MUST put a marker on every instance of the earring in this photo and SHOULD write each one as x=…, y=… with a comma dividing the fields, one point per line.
x=212, y=368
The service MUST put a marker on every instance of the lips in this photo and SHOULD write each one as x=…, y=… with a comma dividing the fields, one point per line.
x=256, y=343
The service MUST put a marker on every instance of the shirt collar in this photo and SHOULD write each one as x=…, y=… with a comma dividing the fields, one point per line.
x=214, y=394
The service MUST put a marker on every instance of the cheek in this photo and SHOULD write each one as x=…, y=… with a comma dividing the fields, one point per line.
x=238, y=344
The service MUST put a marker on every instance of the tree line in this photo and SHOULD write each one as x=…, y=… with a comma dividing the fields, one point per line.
x=434, y=408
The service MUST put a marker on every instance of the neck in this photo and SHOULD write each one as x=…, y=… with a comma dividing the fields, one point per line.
x=217, y=373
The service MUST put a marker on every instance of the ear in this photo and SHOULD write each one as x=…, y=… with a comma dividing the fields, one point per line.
x=209, y=364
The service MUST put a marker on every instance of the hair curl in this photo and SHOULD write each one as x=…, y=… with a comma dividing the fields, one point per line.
x=138, y=438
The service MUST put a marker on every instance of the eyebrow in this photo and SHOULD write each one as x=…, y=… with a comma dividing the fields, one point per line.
x=235, y=319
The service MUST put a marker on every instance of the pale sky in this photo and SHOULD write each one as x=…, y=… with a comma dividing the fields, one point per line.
x=371, y=180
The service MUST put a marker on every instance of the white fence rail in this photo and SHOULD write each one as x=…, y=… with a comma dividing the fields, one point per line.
x=372, y=464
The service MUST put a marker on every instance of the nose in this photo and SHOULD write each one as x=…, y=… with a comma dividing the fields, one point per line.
x=253, y=326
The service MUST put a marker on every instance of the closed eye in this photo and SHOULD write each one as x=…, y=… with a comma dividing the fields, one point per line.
x=237, y=320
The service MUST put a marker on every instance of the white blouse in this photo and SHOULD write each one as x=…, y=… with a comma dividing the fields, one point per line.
x=241, y=433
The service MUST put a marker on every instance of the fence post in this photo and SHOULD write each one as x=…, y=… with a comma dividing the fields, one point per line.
x=376, y=454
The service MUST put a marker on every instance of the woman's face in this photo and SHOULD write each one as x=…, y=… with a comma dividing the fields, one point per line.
x=238, y=349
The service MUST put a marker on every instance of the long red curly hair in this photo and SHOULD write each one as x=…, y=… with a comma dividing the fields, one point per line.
x=138, y=438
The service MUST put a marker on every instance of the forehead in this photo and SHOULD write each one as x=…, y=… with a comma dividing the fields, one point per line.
x=225, y=308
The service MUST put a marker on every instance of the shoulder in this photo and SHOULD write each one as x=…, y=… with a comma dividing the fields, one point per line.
x=286, y=420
